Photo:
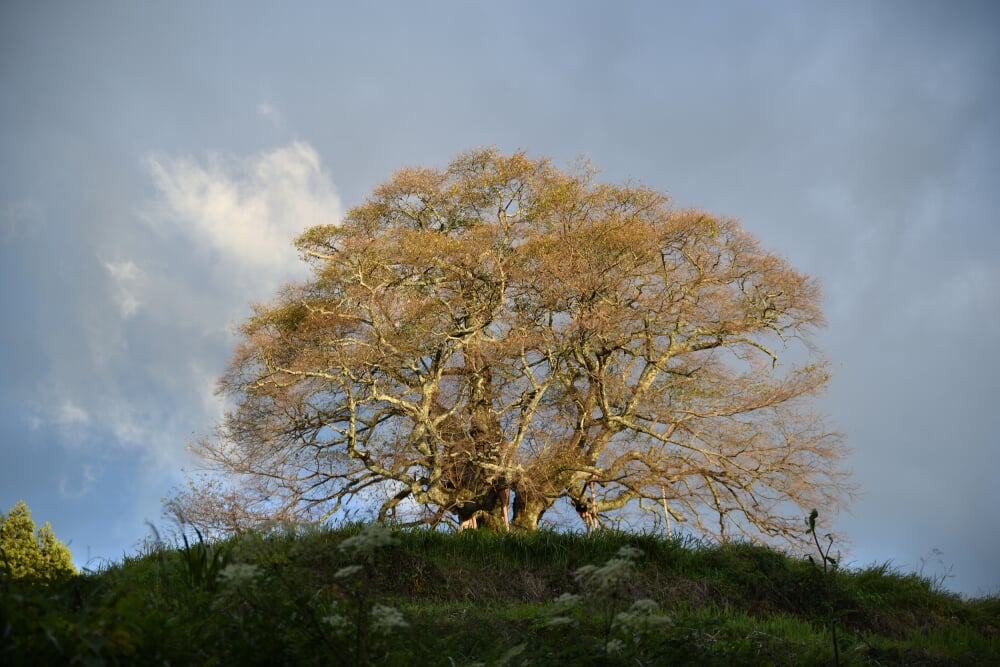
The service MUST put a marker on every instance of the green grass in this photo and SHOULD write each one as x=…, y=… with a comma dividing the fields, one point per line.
x=486, y=599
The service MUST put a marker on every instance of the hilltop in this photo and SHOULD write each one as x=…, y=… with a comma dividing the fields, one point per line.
x=361, y=595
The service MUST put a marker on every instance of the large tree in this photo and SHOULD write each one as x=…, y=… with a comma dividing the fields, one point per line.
x=503, y=329
x=29, y=554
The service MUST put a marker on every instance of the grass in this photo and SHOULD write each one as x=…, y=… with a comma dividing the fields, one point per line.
x=356, y=596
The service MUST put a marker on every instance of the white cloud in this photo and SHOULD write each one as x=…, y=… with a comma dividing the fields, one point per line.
x=143, y=327
x=126, y=276
x=267, y=111
x=123, y=271
x=79, y=485
x=218, y=238
x=69, y=413
x=246, y=210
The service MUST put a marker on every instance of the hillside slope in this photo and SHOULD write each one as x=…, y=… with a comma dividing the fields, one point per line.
x=362, y=595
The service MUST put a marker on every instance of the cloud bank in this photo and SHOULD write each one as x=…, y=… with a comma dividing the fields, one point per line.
x=243, y=213
x=164, y=289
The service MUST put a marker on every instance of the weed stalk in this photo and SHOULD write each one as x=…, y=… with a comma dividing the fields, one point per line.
x=830, y=566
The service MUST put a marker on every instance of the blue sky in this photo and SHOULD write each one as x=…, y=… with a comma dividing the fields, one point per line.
x=157, y=159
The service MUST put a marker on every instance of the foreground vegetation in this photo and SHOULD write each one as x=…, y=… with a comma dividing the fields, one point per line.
x=361, y=595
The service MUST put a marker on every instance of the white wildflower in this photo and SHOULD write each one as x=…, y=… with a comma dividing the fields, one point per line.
x=348, y=571
x=336, y=621
x=385, y=619
x=366, y=542
x=614, y=647
x=566, y=601
x=608, y=578
x=629, y=553
x=645, y=606
x=236, y=574
x=642, y=615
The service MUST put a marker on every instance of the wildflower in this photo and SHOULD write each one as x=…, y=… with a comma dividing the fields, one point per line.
x=385, y=619
x=566, y=601
x=605, y=580
x=236, y=574
x=629, y=553
x=645, y=606
x=642, y=615
x=614, y=647
x=336, y=621
x=365, y=543
x=348, y=571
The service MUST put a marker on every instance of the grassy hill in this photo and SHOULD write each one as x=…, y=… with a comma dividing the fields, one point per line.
x=360, y=595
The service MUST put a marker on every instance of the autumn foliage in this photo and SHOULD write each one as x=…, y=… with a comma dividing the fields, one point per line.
x=492, y=337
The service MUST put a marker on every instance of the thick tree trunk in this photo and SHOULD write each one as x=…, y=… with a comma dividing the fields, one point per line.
x=528, y=510
x=485, y=512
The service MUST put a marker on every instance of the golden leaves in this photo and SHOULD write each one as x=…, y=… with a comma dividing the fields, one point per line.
x=568, y=329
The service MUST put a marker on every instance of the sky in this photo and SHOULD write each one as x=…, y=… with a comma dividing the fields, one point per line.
x=157, y=159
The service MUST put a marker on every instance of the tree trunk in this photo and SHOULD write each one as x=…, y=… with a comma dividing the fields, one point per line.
x=528, y=510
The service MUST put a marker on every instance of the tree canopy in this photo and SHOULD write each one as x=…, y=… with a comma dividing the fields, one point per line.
x=501, y=334
x=25, y=554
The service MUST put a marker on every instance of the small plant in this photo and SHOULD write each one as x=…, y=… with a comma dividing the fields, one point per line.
x=604, y=598
x=203, y=562
x=939, y=578
x=363, y=616
x=829, y=565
